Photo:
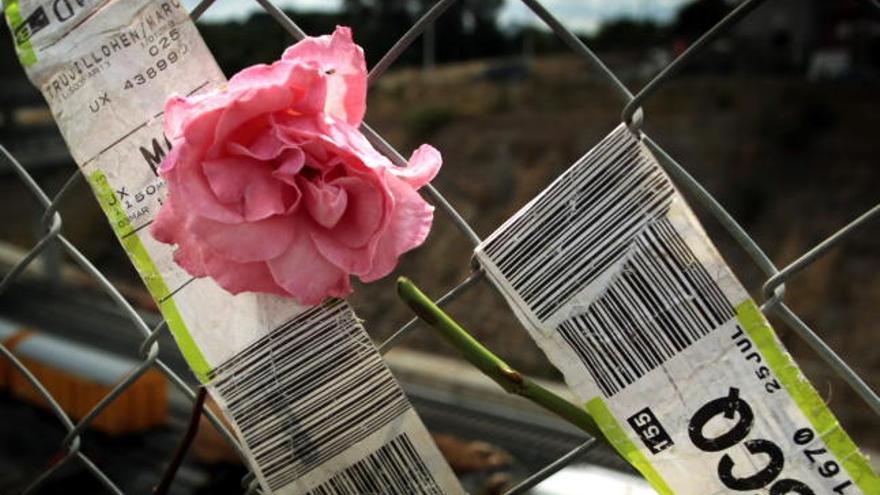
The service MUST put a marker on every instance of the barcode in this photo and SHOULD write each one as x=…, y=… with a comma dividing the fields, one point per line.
x=662, y=301
x=308, y=391
x=581, y=224
x=395, y=469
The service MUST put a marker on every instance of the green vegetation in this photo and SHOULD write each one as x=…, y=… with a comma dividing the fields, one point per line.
x=424, y=121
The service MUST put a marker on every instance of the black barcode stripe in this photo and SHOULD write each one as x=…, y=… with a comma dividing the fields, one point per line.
x=612, y=239
x=671, y=291
x=596, y=224
x=660, y=303
x=678, y=269
x=677, y=314
x=554, y=199
x=396, y=468
x=627, y=331
x=331, y=448
x=308, y=391
x=579, y=334
x=637, y=312
x=563, y=186
x=718, y=304
x=535, y=225
x=302, y=381
x=669, y=296
x=583, y=200
x=329, y=385
x=250, y=370
x=581, y=225
x=331, y=430
x=647, y=299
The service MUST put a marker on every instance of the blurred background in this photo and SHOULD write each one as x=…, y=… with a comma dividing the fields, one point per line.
x=778, y=120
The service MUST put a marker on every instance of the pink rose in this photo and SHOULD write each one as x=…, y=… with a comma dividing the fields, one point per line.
x=272, y=188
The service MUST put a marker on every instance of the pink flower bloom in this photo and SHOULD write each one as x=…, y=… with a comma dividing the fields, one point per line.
x=272, y=188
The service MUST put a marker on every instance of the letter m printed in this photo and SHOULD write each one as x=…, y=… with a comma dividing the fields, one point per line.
x=154, y=153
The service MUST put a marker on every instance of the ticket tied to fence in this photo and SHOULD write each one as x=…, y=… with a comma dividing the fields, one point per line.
x=304, y=389
x=614, y=277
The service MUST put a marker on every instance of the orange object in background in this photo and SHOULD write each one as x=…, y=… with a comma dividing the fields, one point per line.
x=78, y=377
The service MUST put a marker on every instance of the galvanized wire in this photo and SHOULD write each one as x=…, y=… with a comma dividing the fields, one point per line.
x=71, y=442
x=773, y=288
x=407, y=39
x=450, y=296
x=552, y=468
x=689, y=54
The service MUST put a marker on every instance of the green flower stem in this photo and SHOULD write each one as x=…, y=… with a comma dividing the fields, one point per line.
x=491, y=365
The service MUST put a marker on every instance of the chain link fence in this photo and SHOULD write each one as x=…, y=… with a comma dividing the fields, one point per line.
x=773, y=288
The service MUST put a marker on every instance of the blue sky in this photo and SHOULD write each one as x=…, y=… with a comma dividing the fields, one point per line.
x=580, y=15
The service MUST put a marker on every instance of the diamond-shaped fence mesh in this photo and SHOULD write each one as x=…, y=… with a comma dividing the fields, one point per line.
x=773, y=288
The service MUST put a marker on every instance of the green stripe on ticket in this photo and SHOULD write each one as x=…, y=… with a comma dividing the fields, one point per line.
x=618, y=439
x=148, y=272
x=807, y=399
x=20, y=34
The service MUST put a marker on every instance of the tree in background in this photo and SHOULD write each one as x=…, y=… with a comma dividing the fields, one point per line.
x=467, y=30
x=699, y=16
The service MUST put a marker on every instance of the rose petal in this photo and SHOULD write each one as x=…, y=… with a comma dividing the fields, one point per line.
x=264, y=197
x=176, y=112
x=249, y=105
x=325, y=202
x=306, y=275
x=316, y=153
x=247, y=183
x=241, y=277
x=245, y=242
x=304, y=78
x=266, y=146
x=351, y=243
x=186, y=180
x=409, y=226
x=168, y=228
x=291, y=163
x=261, y=90
x=229, y=177
x=365, y=212
x=346, y=140
x=297, y=130
x=423, y=165
x=189, y=256
x=200, y=262
x=292, y=197
x=342, y=61
x=167, y=224
x=193, y=117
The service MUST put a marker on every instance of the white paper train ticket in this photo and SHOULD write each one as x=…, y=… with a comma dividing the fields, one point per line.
x=305, y=389
x=617, y=282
